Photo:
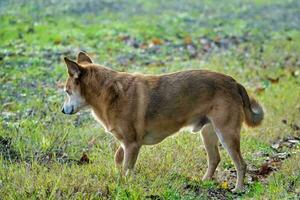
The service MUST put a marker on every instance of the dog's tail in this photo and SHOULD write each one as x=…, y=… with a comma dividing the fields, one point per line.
x=254, y=113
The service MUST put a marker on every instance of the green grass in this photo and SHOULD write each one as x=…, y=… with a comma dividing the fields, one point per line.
x=40, y=147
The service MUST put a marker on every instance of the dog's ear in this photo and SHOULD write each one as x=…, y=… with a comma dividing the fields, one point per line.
x=83, y=57
x=74, y=69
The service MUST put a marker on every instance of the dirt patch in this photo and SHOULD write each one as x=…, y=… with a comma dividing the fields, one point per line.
x=286, y=142
x=217, y=193
x=202, y=43
x=149, y=52
x=283, y=148
x=211, y=193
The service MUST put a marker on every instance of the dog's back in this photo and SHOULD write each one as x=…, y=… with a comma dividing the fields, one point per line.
x=176, y=94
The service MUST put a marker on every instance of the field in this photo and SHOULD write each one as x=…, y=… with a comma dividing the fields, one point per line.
x=47, y=155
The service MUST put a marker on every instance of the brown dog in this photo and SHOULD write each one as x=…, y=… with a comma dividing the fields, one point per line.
x=145, y=109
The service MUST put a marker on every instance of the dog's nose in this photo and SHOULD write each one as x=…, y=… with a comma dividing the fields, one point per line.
x=63, y=110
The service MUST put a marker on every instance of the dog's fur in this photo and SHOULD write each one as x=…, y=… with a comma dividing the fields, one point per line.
x=145, y=109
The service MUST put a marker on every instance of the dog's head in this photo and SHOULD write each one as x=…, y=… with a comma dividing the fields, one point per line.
x=75, y=99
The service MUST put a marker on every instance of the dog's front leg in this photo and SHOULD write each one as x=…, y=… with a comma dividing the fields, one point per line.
x=131, y=151
x=119, y=156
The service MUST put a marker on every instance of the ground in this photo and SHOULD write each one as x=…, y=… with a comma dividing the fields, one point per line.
x=45, y=154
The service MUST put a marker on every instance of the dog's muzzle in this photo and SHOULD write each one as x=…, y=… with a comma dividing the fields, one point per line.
x=69, y=111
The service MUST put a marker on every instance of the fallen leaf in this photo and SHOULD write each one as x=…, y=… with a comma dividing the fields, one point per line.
x=265, y=169
x=188, y=40
x=144, y=46
x=131, y=41
x=84, y=159
x=259, y=90
x=273, y=80
x=157, y=41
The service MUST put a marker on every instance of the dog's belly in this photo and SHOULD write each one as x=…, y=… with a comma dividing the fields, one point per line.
x=154, y=137
x=160, y=130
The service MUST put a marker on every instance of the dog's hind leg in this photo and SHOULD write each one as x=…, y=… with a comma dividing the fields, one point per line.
x=228, y=133
x=210, y=141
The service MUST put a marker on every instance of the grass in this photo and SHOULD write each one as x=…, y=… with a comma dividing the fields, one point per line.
x=256, y=42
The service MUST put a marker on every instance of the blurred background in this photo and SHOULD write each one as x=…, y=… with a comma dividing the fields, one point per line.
x=45, y=154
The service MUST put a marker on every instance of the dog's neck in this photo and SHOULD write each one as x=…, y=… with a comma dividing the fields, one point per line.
x=102, y=90
x=96, y=81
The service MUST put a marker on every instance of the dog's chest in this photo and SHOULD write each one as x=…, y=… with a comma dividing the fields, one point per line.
x=101, y=121
x=108, y=127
